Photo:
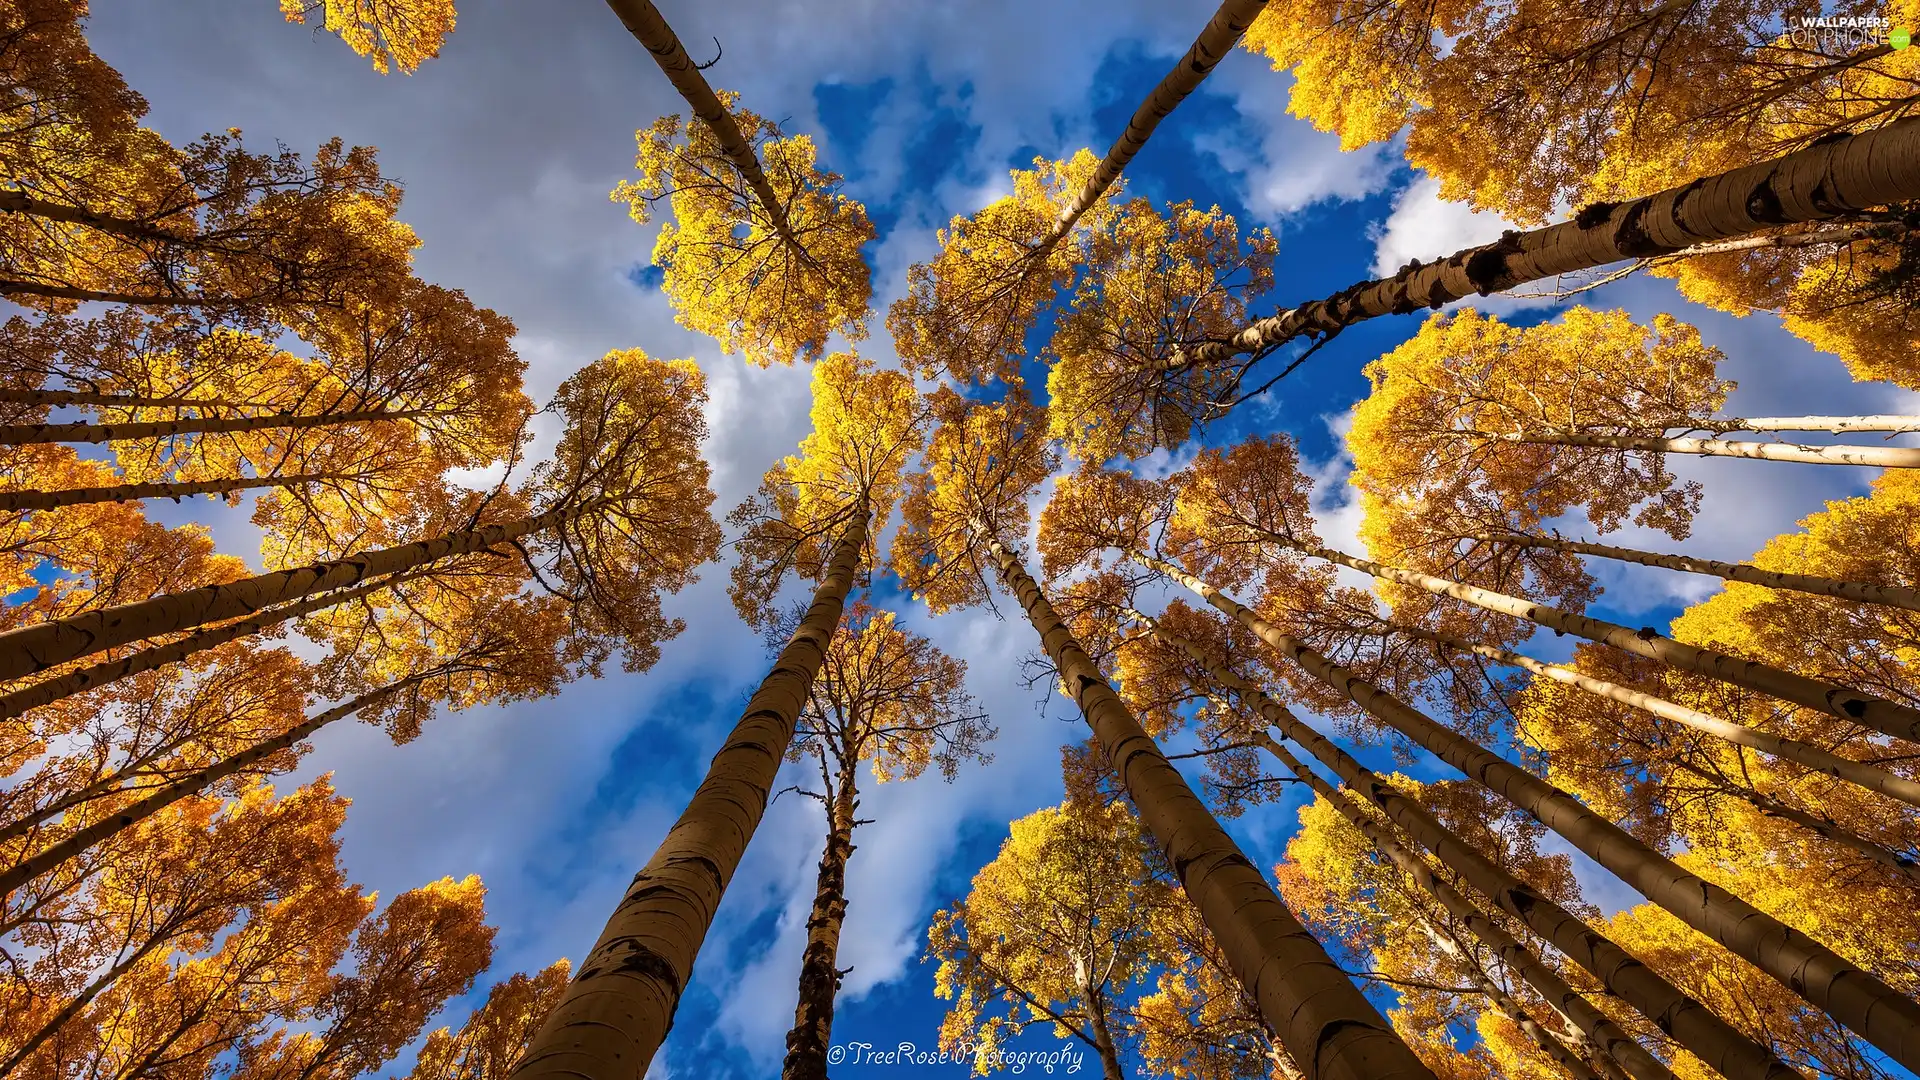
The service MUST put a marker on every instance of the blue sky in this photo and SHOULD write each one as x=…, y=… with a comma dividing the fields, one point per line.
x=508, y=145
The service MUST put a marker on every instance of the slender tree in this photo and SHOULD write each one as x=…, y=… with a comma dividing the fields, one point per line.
x=814, y=513
x=886, y=697
x=980, y=467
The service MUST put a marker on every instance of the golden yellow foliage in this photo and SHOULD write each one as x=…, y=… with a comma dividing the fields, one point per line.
x=393, y=33
x=729, y=272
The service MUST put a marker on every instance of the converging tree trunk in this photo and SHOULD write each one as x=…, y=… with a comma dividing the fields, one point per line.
x=80, y=680
x=32, y=434
x=50, y=500
x=819, y=971
x=1686, y=1020
x=1221, y=34
x=645, y=22
x=44, y=645
x=1889, y=595
x=1322, y=1019
x=1897, y=720
x=1828, y=180
x=1813, y=757
x=1854, y=997
x=617, y=1009
x=1885, y=457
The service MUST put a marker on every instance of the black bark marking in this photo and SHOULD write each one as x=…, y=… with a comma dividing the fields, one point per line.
x=1594, y=214
x=1763, y=204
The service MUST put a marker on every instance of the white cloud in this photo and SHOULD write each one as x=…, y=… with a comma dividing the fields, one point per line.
x=1426, y=227
x=1293, y=166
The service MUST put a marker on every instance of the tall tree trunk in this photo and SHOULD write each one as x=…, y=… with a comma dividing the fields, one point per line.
x=819, y=965
x=1856, y=998
x=29, y=868
x=55, y=398
x=48, y=691
x=146, y=660
x=1890, y=595
x=1844, y=176
x=1569, y=1061
x=16, y=201
x=51, y=500
x=645, y=22
x=616, y=1011
x=1312, y=1008
x=1686, y=1020
x=1885, y=457
x=1838, y=425
x=16, y=287
x=34, y=434
x=36, y=648
x=1900, y=721
x=1813, y=757
x=1096, y=1000
x=1221, y=34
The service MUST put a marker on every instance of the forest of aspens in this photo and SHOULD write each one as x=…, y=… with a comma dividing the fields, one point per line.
x=1333, y=539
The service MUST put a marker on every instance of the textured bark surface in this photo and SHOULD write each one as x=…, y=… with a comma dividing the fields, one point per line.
x=1884, y=457
x=27, y=869
x=645, y=22
x=1575, y=1065
x=43, y=645
x=16, y=201
x=28, y=434
x=1889, y=595
x=620, y=1004
x=49, y=500
x=56, y=398
x=1617, y=971
x=1893, y=719
x=1856, y=998
x=1324, y=1022
x=1813, y=757
x=1849, y=174
x=1838, y=425
x=1222, y=33
x=819, y=974
x=79, y=680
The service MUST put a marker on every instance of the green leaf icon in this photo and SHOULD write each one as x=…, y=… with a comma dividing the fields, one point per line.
x=1900, y=38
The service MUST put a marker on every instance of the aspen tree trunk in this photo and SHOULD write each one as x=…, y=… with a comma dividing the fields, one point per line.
x=1102, y=1035
x=15, y=287
x=621, y=1001
x=819, y=971
x=48, y=691
x=145, y=660
x=1885, y=457
x=51, y=500
x=72, y=1008
x=1833, y=179
x=1889, y=595
x=1813, y=757
x=1221, y=34
x=34, y=434
x=44, y=645
x=29, y=868
x=1688, y=1021
x=1856, y=998
x=1893, y=719
x=1563, y=1056
x=1838, y=425
x=1324, y=1021
x=16, y=201
x=57, y=398
x=645, y=22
